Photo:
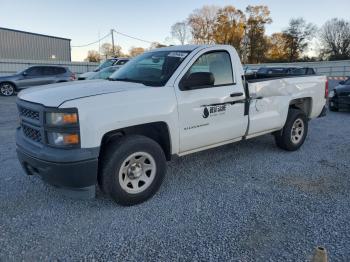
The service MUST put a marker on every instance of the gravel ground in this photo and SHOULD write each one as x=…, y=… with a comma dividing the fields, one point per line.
x=248, y=202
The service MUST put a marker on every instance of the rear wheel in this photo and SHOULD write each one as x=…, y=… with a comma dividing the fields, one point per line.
x=7, y=89
x=294, y=132
x=133, y=169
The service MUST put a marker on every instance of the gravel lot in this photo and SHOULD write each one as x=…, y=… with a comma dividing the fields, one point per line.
x=247, y=201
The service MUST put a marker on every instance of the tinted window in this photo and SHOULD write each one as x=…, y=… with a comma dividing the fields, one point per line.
x=347, y=82
x=311, y=71
x=48, y=71
x=60, y=70
x=33, y=71
x=217, y=63
x=298, y=71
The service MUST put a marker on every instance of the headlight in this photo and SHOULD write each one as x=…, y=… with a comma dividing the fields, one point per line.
x=61, y=119
x=63, y=139
x=331, y=93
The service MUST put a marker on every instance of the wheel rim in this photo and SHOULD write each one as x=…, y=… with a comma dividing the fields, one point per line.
x=297, y=132
x=137, y=172
x=6, y=89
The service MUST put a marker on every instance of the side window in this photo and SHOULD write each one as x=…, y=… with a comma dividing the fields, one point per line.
x=59, y=70
x=217, y=63
x=33, y=71
x=48, y=71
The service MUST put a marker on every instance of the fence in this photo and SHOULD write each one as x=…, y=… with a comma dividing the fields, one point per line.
x=11, y=66
x=328, y=68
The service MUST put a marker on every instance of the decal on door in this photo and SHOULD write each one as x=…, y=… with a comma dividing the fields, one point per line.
x=214, y=110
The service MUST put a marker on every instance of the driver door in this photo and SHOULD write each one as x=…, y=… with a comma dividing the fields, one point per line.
x=211, y=115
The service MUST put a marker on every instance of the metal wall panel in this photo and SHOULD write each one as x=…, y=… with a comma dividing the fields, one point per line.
x=22, y=45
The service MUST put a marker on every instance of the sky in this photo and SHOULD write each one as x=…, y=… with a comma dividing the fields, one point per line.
x=85, y=21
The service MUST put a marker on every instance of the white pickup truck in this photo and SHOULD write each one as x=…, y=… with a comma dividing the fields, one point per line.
x=166, y=102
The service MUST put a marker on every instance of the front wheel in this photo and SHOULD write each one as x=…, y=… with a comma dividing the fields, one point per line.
x=294, y=132
x=133, y=169
x=7, y=89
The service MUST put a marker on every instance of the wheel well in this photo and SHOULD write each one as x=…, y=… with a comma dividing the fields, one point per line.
x=158, y=131
x=304, y=104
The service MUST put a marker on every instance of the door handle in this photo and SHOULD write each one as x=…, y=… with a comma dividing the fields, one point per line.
x=236, y=94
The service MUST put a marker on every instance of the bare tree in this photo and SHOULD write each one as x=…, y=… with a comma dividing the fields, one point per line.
x=335, y=39
x=297, y=37
x=107, y=50
x=156, y=45
x=180, y=32
x=93, y=56
x=135, y=51
x=202, y=24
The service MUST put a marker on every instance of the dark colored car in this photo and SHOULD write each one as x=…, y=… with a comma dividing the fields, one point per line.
x=339, y=97
x=269, y=72
x=34, y=76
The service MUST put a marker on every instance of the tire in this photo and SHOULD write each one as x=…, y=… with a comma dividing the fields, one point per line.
x=294, y=132
x=133, y=169
x=7, y=89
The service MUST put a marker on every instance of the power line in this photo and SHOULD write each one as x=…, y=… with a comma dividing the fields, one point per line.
x=111, y=33
x=95, y=42
x=136, y=38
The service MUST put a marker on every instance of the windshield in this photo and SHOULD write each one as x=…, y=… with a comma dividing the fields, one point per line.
x=105, y=63
x=151, y=69
x=347, y=82
x=104, y=73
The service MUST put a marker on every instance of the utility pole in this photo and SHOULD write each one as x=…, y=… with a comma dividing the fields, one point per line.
x=112, y=31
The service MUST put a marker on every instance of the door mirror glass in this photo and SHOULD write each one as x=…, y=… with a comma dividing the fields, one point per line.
x=198, y=80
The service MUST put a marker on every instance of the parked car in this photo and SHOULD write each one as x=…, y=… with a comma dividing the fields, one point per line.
x=339, y=97
x=106, y=63
x=34, y=76
x=104, y=73
x=166, y=102
x=270, y=72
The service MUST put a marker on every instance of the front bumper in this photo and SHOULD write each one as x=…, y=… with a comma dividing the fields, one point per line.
x=340, y=102
x=72, y=169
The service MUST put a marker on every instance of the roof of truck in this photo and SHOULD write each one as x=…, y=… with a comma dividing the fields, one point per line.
x=180, y=48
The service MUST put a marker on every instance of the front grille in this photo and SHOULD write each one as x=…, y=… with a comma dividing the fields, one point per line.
x=342, y=94
x=31, y=133
x=28, y=113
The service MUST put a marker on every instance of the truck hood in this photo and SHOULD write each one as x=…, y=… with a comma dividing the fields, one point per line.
x=55, y=94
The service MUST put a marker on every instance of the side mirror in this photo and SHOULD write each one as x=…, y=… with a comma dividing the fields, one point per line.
x=341, y=82
x=24, y=73
x=198, y=80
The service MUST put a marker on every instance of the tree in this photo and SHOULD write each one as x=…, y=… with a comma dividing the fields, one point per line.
x=297, y=37
x=107, y=50
x=135, y=51
x=156, y=45
x=202, y=24
x=258, y=17
x=335, y=39
x=229, y=27
x=93, y=56
x=277, y=48
x=180, y=32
